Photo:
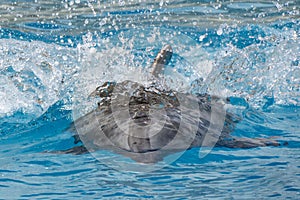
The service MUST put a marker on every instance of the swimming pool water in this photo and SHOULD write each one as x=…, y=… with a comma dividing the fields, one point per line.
x=54, y=53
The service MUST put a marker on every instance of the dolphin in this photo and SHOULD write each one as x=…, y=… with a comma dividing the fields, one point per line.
x=148, y=122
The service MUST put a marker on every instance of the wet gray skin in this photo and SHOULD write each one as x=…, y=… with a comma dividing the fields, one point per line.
x=147, y=123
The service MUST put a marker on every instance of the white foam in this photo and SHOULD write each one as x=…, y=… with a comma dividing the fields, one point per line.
x=33, y=75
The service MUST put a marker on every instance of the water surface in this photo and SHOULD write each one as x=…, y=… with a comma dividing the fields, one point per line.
x=54, y=53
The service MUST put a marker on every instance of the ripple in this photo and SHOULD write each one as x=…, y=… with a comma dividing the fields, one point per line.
x=10, y=181
x=42, y=26
x=56, y=174
x=246, y=6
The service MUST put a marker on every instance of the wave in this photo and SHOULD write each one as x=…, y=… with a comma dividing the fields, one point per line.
x=257, y=63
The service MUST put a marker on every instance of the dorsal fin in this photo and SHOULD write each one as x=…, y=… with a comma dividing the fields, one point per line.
x=161, y=60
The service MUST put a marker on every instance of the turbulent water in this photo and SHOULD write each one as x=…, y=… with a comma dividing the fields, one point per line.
x=53, y=54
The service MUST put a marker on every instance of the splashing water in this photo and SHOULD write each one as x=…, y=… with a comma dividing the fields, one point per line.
x=53, y=54
x=33, y=76
x=40, y=74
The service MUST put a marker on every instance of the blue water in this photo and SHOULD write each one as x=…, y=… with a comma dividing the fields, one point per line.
x=49, y=63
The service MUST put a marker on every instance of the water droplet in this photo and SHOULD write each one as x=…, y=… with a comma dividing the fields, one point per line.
x=220, y=31
x=65, y=58
x=161, y=3
x=201, y=38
